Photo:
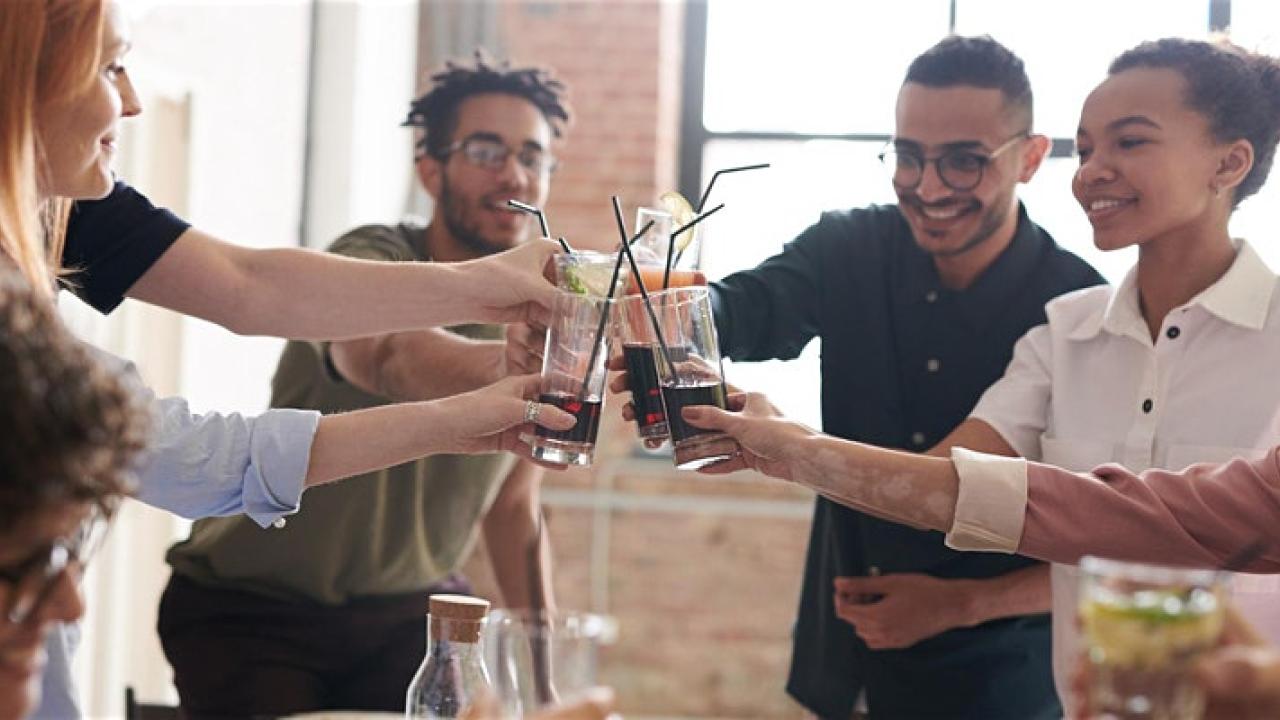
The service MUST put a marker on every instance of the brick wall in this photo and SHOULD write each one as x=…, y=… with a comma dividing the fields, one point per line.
x=702, y=575
x=611, y=54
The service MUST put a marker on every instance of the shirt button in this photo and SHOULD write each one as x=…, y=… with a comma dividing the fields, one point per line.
x=1147, y=405
x=917, y=438
x=279, y=523
x=933, y=365
x=1173, y=333
x=931, y=296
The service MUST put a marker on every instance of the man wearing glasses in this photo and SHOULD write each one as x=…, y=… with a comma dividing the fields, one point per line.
x=918, y=307
x=329, y=611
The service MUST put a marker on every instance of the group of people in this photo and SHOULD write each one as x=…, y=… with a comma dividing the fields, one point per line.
x=966, y=359
x=956, y=401
x=87, y=432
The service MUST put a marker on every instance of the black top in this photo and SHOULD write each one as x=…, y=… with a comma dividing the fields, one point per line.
x=904, y=360
x=112, y=242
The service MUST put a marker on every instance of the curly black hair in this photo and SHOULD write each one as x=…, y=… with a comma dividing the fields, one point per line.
x=1237, y=91
x=977, y=61
x=70, y=427
x=437, y=110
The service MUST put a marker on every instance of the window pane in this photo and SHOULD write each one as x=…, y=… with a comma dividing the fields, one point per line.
x=1067, y=50
x=813, y=66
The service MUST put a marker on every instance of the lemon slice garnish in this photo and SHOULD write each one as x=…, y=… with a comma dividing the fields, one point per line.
x=681, y=214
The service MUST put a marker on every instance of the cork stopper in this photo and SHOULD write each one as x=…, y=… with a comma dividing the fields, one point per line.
x=457, y=617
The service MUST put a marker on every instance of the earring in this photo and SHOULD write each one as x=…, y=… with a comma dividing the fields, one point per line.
x=1216, y=188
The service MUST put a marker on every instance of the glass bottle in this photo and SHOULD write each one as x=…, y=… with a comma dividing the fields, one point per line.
x=452, y=675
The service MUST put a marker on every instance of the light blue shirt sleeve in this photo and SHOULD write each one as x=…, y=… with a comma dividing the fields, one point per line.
x=215, y=464
x=198, y=466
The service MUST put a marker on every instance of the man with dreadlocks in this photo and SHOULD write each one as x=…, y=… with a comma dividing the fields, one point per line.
x=328, y=612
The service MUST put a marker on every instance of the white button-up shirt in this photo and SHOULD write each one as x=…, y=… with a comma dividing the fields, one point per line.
x=1091, y=387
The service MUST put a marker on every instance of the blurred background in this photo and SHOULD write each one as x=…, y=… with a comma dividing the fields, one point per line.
x=276, y=122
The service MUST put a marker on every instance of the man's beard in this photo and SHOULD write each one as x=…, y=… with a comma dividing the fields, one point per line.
x=453, y=210
x=992, y=217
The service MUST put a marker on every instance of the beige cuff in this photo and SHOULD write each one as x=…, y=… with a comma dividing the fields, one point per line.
x=991, y=505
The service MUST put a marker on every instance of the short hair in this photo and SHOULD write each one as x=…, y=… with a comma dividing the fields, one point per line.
x=437, y=110
x=70, y=428
x=980, y=62
x=1237, y=91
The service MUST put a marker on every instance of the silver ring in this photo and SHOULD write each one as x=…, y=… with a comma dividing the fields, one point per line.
x=531, y=410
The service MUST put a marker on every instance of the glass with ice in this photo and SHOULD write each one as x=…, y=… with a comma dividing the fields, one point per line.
x=1143, y=627
x=573, y=375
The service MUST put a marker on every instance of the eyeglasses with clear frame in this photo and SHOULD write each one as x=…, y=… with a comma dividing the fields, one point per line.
x=26, y=586
x=959, y=169
x=491, y=154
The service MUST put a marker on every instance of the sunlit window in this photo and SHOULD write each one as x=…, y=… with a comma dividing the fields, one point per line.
x=810, y=87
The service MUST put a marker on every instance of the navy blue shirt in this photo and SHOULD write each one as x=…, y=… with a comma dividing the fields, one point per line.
x=904, y=360
x=114, y=241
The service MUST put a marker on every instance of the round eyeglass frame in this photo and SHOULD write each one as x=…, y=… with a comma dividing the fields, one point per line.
x=889, y=154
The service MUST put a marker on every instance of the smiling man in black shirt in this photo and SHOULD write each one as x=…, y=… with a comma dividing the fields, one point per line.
x=918, y=307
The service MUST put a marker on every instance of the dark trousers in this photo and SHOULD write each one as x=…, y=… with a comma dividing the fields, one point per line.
x=240, y=654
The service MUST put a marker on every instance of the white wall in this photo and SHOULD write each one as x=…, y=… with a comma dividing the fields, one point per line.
x=361, y=159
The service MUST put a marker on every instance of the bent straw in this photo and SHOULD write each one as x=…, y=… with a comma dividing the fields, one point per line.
x=542, y=221
x=671, y=243
x=648, y=306
x=604, y=315
x=702, y=201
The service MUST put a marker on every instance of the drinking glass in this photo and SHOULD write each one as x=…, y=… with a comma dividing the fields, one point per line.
x=585, y=272
x=651, y=252
x=640, y=352
x=573, y=375
x=687, y=358
x=541, y=659
x=1143, y=627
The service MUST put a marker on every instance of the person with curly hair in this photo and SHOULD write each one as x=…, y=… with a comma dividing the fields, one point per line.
x=71, y=429
x=328, y=612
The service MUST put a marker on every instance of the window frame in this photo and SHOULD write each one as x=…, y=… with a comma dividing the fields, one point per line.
x=694, y=134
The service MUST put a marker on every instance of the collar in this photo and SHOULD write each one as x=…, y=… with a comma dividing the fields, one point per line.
x=1242, y=296
x=1006, y=275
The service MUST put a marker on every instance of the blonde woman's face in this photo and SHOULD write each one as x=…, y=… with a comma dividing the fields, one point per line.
x=79, y=134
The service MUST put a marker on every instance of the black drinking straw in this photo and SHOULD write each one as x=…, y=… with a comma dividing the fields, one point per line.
x=648, y=306
x=604, y=316
x=671, y=242
x=542, y=221
x=702, y=201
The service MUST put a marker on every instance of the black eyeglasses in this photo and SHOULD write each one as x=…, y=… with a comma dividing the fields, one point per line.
x=959, y=169
x=491, y=154
x=30, y=582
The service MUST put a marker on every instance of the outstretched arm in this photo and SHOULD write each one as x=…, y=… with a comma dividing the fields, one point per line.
x=280, y=291
x=914, y=490
x=1202, y=515
x=485, y=420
